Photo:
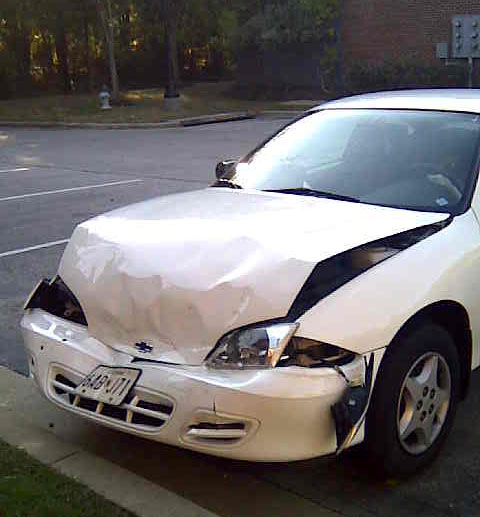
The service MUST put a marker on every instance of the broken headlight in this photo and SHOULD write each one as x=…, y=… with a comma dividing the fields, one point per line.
x=252, y=347
x=55, y=297
x=310, y=353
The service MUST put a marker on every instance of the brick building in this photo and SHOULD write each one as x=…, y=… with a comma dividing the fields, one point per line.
x=376, y=32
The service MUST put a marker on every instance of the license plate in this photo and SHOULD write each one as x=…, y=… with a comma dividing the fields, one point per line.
x=109, y=385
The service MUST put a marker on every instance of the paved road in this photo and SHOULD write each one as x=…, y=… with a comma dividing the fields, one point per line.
x=41, y=161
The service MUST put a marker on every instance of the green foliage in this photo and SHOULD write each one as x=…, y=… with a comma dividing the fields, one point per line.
x=60, y=44
x=287, y=47
x=207, y=27
x=290, y=23
x=275, y=45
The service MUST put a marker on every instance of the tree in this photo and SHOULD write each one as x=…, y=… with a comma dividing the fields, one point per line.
x=61, y=48
x=86, y=22
x=290, y=23
x=208, y=27
x=56, y=43
x=170, y=13
x=18, y=39
x=104, y=8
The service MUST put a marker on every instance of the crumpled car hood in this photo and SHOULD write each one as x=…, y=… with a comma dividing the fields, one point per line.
x=178, y=272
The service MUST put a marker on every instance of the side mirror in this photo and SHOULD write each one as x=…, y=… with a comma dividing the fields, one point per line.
x=225, y=169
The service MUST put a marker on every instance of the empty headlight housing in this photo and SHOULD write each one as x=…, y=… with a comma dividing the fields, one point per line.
x=310, y=353
x=56, y=298
x=252, y=347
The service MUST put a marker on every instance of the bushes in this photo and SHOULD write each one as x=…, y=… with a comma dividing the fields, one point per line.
x=287, y=48
x=404, y=75
x=274, y=74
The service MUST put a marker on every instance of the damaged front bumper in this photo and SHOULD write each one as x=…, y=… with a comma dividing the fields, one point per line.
x=350, y=412
x=278, y=414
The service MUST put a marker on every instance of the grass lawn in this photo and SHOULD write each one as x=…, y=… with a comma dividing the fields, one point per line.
x=138, y=106
x=30, y=489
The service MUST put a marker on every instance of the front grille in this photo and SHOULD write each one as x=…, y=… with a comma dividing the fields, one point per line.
x=142, y=410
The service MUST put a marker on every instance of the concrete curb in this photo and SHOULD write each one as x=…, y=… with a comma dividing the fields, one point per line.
x=182, y=122
x=74, y=446
x=122, y=487
x=168, y=124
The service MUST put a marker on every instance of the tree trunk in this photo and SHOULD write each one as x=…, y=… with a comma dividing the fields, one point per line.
x=61, y=48
x=22, y=42
x=113, y=67
x=88, y=53
x=170, y=13
x=48, y=45
x=105, y=12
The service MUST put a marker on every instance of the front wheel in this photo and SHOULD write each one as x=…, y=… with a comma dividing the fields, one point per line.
x=414, y=401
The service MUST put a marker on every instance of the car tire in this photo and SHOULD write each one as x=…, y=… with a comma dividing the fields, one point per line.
x=414, y=401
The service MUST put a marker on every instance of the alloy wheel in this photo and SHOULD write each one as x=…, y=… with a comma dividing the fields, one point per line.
x=423, y=403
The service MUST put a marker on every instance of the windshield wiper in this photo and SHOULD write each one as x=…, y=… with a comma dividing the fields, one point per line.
x=303, y=191
x=222, y=182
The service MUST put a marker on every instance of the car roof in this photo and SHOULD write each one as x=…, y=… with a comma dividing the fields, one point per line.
x=440, y=99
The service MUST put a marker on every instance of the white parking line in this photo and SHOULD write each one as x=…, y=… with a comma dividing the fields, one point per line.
x=15, y=170
x=33, y=248
x=63, y=190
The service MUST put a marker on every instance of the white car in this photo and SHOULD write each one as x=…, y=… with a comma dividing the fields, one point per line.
x=325, y=291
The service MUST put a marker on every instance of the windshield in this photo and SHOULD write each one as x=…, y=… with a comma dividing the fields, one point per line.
x=421, y=160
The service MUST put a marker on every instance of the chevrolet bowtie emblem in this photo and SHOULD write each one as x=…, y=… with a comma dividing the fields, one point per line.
x=143, y=347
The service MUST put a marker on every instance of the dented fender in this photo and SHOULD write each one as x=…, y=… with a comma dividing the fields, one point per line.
x=367, y=313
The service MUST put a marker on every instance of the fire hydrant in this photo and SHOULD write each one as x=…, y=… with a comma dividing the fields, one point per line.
x=104, y=97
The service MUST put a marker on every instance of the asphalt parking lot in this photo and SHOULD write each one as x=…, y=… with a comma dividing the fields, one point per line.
x=50, y=180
